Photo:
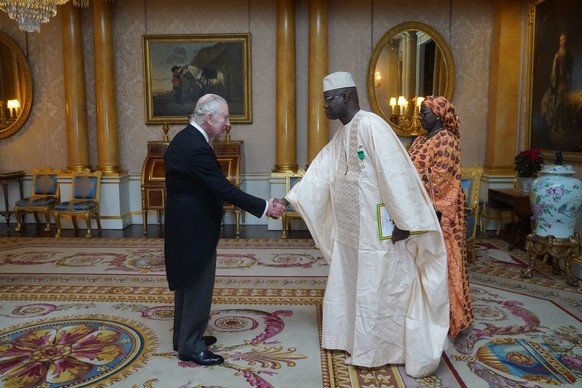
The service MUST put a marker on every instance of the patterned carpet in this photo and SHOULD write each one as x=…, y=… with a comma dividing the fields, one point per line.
x=97, y=312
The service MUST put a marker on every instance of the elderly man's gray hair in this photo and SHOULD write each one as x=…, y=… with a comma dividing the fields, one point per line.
x=209, y=103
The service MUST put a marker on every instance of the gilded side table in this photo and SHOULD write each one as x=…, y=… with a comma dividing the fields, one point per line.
x=5, y=178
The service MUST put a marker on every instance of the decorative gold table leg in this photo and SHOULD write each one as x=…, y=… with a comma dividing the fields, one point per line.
x=557, y=248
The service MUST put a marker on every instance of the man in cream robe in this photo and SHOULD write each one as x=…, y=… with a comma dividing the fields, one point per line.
x=386, y=300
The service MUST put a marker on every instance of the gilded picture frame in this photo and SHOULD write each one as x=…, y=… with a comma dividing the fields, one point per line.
x=555, y=90
x=179, y=69
x=15, y=87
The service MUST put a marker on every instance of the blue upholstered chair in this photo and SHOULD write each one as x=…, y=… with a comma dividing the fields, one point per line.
x=471, y=184
x=291, y=178
x=86, y=188
x=45, y=194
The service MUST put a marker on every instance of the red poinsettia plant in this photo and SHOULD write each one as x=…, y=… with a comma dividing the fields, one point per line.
x=528, y=163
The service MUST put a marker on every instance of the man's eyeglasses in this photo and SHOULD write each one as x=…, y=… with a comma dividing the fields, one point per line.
x=329, y=98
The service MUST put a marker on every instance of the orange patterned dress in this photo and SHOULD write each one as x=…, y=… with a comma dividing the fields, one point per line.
x=440, y=155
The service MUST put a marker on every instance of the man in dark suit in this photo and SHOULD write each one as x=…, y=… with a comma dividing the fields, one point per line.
x=196, y=189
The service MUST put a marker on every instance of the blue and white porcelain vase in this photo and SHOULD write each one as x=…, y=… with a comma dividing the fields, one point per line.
x=556, y=200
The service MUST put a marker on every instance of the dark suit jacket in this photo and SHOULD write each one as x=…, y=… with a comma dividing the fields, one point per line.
x=196, y=189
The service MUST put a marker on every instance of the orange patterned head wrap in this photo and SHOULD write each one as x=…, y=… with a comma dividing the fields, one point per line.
x=446, y=111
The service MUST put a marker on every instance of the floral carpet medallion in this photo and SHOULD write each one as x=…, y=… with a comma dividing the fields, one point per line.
x=97, y=312
x=267, y=326
x=509, y=344
x=526, y=333
x=251, y=345
x=71, y=351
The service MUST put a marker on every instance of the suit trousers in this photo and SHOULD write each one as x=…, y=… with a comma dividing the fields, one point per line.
x=192, y=311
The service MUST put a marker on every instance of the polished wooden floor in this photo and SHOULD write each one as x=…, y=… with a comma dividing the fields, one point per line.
x=136, y=231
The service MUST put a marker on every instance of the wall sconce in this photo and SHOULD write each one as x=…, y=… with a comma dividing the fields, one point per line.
x=377, y=79
x=13, y=106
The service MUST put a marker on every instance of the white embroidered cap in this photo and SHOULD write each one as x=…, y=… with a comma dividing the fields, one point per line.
x=338, y=80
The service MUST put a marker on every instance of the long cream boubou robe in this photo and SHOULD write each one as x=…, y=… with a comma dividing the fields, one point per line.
x=384, y=303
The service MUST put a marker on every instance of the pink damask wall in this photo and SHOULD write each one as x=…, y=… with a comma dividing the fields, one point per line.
x=354, y=27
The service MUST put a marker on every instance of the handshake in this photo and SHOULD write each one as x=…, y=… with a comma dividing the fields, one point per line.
x=276, y=207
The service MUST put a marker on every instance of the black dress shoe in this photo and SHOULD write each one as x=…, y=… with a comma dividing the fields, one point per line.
x=208, y=340
x=204, y=358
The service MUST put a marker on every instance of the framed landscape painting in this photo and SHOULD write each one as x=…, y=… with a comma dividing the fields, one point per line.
x=556, y=78
x=179, y=69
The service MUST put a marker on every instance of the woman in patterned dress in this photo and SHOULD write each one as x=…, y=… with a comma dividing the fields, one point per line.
x=437, y=157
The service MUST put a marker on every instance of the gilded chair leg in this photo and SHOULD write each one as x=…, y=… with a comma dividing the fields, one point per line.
x=18, y=216
x=58, y=222
x=47, y=219
x=237, y=221
x=477, y=218
x=98, y=218
x=284, y=222
x=75, y=224
x=88, y=221
x=144, y=217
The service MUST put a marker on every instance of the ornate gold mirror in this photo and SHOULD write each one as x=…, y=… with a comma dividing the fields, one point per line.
x=15, y=87
x=409, y=62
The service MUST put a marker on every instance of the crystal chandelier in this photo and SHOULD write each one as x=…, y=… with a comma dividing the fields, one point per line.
x=29, y=14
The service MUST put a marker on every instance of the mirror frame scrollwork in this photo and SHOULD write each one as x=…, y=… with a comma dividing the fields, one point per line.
x=25, y=76
x=385, y=42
